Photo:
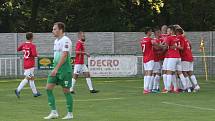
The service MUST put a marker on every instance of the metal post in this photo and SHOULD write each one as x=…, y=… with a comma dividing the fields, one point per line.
x=10, y=67
x=5, y=67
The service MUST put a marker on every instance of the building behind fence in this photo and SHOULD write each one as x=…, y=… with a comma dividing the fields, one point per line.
x=96, y=43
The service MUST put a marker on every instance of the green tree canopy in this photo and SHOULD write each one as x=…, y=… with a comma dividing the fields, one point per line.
x=105, y=15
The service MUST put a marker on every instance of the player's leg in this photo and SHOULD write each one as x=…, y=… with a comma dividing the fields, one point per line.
x=32, y=84
x=51, y=82
x=74, y=78
x=164, y=69
x=22, y=83
x=185, y=69
x=175, y=84
x=193, y=77
x=156, y=74
x=171, y=68
x=148, y=78
x=77, y=71
x=181, y=76
x=88, y=79
x=66, y=84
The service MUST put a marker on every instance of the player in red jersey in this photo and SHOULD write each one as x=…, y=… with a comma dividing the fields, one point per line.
x=148, y=60
x=158, y=52
x=80, y=67
x=163, y=37
x=173, y=60
x=30, y=52
x=187, y=60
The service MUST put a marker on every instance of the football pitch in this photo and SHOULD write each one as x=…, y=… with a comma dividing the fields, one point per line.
x=119, y=99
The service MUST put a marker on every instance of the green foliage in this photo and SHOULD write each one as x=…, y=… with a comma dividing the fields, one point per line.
x=105, y=15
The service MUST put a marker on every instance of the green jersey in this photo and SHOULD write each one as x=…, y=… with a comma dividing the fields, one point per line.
x=61, y=45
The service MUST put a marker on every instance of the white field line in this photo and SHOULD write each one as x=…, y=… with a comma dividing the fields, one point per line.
x=97, y=81
x=188, y=106
x=102, y=99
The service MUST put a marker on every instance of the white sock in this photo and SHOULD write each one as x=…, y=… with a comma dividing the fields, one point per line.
x=193, y=78
x=146, y=82
x=22, y=84
x=183, y=80
x=151, y=82
x=174, y=81
x=33, y=87
x=169, y=82
x=157, y=81
x=69, y=113
x=189, y=84
x=89, y=83
x=165, y=81
x=54, y=111
x=154, y=83
x=73, y=84
x=180, y=85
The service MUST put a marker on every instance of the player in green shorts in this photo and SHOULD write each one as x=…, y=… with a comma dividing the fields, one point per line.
x=61, y=74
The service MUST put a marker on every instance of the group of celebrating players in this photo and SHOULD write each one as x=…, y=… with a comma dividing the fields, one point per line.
x=170, y=48
x=168, y=53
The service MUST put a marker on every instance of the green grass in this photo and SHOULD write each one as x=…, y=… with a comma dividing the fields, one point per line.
x=120, y=99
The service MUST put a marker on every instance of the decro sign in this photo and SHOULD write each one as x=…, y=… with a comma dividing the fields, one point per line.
x=112, y=65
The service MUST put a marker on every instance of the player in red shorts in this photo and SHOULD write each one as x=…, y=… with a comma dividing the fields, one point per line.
x=30, y=52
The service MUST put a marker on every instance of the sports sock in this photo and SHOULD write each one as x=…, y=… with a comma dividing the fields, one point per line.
x=193, y=78
x=183, y=80
x=51, y=99
x=69, y=102
x=89, y=83
x=165, y=80
x=169, y=82
x=33, y=87
x=22, y=84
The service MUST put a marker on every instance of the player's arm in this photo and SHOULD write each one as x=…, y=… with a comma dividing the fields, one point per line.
x=155, y=44
x=62, y=60
x=79, y=52
x=164, y=45
x=34, y=51
x=20, y=47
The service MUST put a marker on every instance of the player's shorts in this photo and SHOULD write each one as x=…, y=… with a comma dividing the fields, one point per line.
x=174, y=64
x=157, y=67
x=80, y=68
x=187, y=66
x=149, y=65
x=63, y=79
x=164, y=66
x=29, y=72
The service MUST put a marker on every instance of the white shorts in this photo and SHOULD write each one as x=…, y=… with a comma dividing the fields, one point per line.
x=29, y=72
x=187, y=66
x=149, y=65
x=157, y=67
x=164, y=66
x=80, y=68
x=174, y=64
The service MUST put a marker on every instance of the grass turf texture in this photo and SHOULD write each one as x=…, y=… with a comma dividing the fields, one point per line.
x=120, y=99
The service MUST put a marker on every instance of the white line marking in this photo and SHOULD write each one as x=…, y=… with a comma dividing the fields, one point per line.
x=188, y=106
x=104, y=99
